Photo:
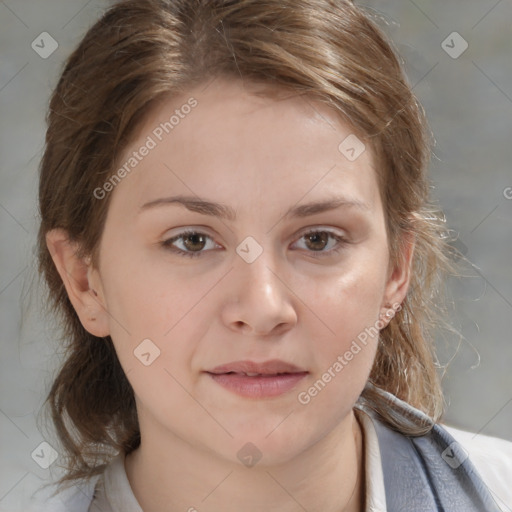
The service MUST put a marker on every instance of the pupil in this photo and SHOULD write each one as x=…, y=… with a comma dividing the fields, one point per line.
x=322, y=235
x=194, y=237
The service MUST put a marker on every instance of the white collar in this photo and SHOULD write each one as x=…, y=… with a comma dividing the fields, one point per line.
x=374, y=477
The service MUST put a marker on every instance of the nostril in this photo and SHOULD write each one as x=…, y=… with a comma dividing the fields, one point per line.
x=241, y=325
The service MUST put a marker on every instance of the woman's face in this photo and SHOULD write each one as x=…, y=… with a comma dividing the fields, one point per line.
x=264, y=277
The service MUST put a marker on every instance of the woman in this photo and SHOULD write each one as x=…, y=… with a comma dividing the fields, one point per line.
x=237, y=233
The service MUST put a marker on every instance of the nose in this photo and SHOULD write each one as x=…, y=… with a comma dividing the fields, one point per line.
x=259, y=302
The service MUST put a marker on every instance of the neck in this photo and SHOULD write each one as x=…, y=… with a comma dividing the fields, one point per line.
x=167, y=474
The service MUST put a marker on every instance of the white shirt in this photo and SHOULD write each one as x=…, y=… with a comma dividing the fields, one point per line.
x=491, y=456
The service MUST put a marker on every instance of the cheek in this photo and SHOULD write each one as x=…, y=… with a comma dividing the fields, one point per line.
x=344, y=327
x=151, y=331
x=155, y=318
x=344, y=353
x=142, y=299
x=350, y=300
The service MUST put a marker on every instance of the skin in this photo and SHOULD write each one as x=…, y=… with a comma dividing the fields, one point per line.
x=298, y=301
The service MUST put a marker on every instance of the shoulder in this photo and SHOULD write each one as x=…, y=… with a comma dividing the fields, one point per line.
x=492, y=458
x=75, y=498
x=445, y=464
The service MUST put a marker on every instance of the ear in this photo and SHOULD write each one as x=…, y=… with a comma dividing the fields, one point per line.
x=399, y=277
x=82, y=282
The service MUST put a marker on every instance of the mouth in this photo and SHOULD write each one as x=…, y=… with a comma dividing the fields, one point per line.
x=253, y=374
x=258, y=380
x=253, y=369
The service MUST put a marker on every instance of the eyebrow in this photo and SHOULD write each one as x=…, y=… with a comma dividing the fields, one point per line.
x=199, y=205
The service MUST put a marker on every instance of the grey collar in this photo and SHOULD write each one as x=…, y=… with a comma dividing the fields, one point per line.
x=429, y=473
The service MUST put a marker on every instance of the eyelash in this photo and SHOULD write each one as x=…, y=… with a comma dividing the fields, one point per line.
x=167, y=244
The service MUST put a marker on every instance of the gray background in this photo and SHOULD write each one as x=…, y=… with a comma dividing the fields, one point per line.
x=469, y=105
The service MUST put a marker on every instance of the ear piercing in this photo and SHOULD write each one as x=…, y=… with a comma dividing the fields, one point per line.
x=390, y=312
x=90, y=312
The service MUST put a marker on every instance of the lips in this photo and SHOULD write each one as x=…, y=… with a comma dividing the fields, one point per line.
x=264, y=380
x=253, y=369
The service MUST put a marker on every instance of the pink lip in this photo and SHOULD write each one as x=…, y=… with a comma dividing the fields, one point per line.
x=270, y=367
x=277, y=377
x=258, y=387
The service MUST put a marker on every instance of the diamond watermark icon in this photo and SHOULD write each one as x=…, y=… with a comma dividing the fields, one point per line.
x=44, y=455
x=249, y=455
x=44, y=45
x=249, y=249
x=351, y=147
x=454, y=45
x=146, y=352
x=454, y=455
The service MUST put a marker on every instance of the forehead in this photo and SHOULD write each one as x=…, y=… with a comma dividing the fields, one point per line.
x=244, y=143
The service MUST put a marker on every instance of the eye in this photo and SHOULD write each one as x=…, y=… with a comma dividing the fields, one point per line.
x=192, y=243
x=317, y=240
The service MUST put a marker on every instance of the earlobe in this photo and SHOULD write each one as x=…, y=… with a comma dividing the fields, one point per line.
x=75, y=273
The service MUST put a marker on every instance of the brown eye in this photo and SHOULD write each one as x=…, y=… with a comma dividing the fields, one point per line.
x=317, y=241
x=192, y=243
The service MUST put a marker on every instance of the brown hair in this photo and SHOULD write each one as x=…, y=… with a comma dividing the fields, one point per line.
x=143, y=50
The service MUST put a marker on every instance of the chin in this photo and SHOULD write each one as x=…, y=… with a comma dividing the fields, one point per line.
x=270, y=446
